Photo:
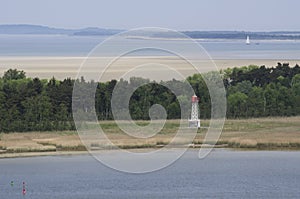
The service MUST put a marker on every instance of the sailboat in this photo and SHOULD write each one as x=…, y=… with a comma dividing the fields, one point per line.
x=248, y=40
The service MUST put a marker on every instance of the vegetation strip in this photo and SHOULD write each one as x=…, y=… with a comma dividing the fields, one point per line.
x=46, y=105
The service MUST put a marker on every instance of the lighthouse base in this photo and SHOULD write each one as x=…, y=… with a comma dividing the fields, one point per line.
x=194, y=123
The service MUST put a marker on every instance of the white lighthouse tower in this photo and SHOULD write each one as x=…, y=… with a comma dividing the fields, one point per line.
x=194, y=121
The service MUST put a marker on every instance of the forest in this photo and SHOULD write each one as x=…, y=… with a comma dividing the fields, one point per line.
x=33, y=104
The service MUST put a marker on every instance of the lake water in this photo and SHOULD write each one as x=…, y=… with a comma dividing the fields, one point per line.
x=222, y=174
x=62, y=45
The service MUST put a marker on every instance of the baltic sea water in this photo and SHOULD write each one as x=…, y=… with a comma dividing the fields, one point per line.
x=222, y=174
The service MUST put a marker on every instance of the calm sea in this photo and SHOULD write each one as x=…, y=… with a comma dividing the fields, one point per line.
x=62, y=45
x=222, y=174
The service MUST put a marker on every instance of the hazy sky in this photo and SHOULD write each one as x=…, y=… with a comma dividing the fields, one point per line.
x=250, y=15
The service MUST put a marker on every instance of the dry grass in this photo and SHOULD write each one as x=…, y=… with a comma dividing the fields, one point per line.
x=262, y=133
x=38, y=142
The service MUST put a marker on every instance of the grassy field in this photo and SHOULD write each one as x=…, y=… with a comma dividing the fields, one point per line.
x=262, y=133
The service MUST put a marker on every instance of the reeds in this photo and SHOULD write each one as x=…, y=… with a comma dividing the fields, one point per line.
x=262, y=133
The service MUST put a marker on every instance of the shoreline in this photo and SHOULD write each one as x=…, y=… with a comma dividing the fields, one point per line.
x=79, y=153
x=62, y=67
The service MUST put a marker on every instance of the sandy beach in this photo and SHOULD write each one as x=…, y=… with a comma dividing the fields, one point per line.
x=153, y=67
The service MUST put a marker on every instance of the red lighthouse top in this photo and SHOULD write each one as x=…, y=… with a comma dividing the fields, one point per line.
x=195, y=99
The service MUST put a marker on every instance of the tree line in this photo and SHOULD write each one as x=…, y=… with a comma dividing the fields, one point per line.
x=33, y=104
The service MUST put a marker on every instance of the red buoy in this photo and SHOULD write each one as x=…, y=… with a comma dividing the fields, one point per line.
x=24, y=189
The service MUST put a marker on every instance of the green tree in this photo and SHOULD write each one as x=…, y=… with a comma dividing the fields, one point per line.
x=14, y=74
x=256, y=102
x=237, y=104
x=296, y=92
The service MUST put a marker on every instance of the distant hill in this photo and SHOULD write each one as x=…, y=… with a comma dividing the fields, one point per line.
x=32, y=29
x=42, y=30
x=94, y=31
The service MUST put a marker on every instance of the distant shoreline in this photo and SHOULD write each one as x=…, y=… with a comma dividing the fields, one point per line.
x=46, y=67
x=210, y=39
x=31, y=29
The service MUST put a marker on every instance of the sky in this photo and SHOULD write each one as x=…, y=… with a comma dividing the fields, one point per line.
x=251, y=15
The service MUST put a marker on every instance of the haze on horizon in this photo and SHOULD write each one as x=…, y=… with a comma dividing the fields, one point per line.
x=254, y=15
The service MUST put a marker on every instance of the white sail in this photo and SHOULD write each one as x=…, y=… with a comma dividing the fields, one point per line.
x=248, y=40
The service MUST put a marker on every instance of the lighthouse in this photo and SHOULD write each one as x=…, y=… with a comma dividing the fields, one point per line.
x=194, y=121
